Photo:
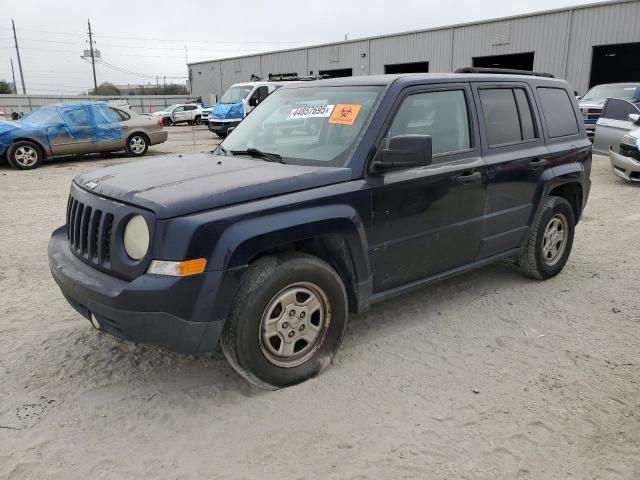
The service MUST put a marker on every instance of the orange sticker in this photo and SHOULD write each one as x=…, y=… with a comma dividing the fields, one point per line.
x=344, y=114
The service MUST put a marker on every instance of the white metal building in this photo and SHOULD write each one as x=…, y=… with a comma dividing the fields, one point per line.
x=587, y=45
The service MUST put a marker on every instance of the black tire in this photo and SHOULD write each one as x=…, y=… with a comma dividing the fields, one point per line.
x=137, y=144
x=189, y=122
x=166, y=121
x=25, y=155
x=533, y=261
x=266, y=279
x=197, y=120
x=222, y=135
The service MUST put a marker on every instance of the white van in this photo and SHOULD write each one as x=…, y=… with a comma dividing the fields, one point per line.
x=237, y=102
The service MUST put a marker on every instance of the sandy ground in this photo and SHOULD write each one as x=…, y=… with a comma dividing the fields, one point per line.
x=485, y=376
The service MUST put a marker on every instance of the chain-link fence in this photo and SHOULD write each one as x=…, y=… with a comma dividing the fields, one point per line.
x=139, y=103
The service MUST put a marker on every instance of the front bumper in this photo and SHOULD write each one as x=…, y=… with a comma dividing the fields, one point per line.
x=217, y=126
x=624, y=167
x=174, y=312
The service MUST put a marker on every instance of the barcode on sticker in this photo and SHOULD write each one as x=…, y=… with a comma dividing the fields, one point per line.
x=311, y=111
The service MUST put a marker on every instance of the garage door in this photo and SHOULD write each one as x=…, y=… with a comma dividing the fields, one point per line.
x=615, y=63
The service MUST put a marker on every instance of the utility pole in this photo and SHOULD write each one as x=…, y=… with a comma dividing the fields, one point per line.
x=13, y=74
x=164, y=85
x=157, y=85
x=93, y=59
x=15, y=38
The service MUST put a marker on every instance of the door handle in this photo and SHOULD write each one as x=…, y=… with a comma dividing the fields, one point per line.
x=468, y=177
x=538, y=163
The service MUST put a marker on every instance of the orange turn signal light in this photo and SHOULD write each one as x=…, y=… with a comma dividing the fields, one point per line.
x=177, y=269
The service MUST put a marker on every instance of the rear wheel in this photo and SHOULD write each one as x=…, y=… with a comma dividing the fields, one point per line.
x=550, y=240
x=287, y=320
x=137, y=145
x=24, y=155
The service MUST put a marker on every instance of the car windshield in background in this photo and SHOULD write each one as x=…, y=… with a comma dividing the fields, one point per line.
x=236, y=94
x=43, y=116
x=611, y=91
x=308, y=125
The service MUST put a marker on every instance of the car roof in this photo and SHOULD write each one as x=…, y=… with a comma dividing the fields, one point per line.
x=420, y=78
x=623, y=84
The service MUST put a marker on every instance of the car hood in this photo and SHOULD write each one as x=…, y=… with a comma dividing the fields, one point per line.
x=599, y=103
x=9, y=127
x=176, y=185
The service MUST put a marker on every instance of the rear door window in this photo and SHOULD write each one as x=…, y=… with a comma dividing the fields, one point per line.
x=558, y=112
x=507, y=115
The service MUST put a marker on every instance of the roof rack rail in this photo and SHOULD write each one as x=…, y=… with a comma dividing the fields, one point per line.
x=503, y=71
x=283, y=77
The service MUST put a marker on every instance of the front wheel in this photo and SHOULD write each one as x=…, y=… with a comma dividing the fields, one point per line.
x=550, y=240
x=197, y=120
x=24, y=155
x=287, y=320
x=137, y=145
x=166, y=121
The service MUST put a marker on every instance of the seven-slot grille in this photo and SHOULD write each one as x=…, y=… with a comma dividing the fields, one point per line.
x=89, y=231
x=630, y=151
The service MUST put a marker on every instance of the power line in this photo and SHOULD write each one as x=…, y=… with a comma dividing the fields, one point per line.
x=131, y=46
x=180, y=40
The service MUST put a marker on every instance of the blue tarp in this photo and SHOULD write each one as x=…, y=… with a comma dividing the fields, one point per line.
x=93, y=121
x=228, y=111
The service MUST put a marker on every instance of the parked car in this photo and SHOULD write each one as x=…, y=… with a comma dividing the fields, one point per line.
x=614, y=123
x=204, y=117
x=77, y=128
x=592, y=102
x=625, y=156
x=385, y=184
x=189, y=113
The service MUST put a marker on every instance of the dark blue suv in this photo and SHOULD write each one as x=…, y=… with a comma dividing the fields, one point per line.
x=331, y=196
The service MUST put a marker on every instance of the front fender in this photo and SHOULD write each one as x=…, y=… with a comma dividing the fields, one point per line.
x=246, y=239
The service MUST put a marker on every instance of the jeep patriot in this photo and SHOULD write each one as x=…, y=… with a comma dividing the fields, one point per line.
x=331, y=196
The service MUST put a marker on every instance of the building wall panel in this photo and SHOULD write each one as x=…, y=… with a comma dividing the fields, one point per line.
x=433, y=47
x=595, y=26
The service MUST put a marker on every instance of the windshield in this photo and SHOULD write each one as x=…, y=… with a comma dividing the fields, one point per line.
x=172, y=107
x=43, y=116
x=307, y=126
x=236, y=94
x=611, y=91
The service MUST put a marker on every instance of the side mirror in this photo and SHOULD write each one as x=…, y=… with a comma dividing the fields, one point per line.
x=635, y=118
x=404, y=151
x=254, y=101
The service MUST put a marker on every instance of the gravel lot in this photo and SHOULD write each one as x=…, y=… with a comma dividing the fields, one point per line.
x=485, y=376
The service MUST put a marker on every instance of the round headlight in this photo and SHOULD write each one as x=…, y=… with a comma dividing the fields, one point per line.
x=136, y=237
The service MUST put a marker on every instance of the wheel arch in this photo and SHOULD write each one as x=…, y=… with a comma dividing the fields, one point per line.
x=38, y=144
x=140, y=132
x=572, y=193
x=333, y=233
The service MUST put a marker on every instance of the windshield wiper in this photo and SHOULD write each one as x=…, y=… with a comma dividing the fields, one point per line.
x=266, y=156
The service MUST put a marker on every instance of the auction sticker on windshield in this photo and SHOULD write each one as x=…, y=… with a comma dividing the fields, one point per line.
x=311, y=111
x=344, y=114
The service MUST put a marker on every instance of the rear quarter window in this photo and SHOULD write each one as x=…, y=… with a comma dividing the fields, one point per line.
x=558, y=112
